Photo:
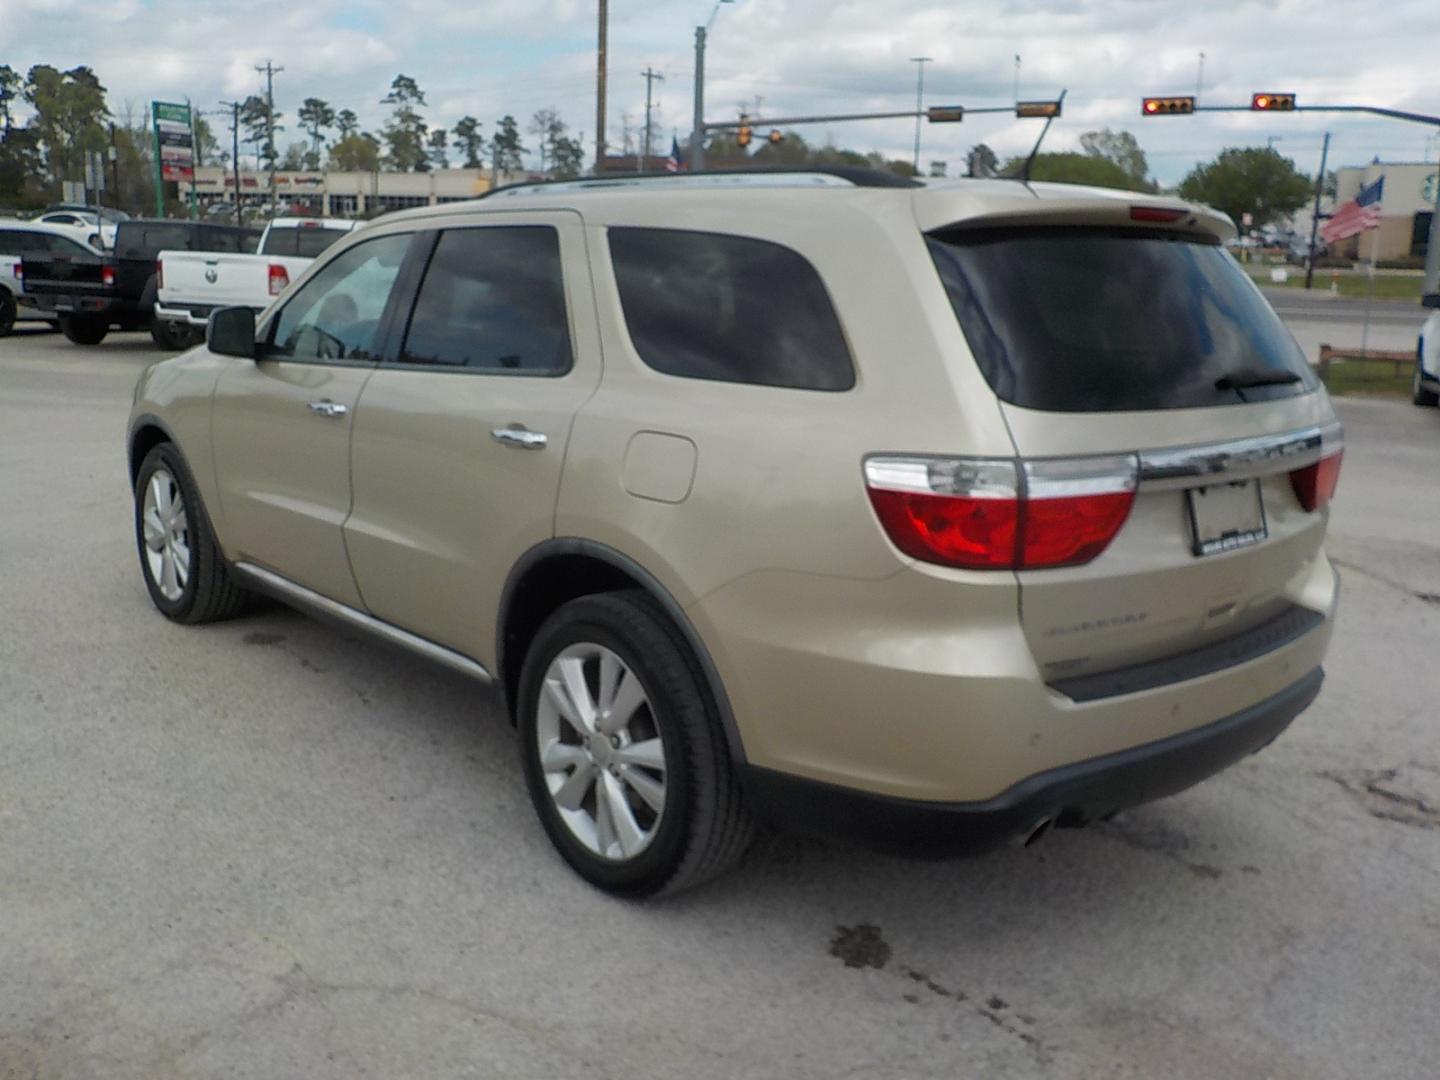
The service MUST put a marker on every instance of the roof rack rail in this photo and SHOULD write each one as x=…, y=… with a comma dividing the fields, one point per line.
x=818, y=176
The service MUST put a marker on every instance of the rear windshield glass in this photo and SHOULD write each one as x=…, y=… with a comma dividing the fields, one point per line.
x=1097, y=320
x=305, y=242
x=144, y=240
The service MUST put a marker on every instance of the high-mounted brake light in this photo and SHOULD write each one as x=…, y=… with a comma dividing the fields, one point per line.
x=107, y=276
x=1315, y=483
x=279, y=279
x=1156, y=213
x=988, y=514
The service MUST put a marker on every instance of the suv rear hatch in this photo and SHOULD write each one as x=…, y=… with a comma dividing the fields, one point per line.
x=1169, y=433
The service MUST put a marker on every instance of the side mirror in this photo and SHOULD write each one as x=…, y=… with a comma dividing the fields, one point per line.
x=231, y=332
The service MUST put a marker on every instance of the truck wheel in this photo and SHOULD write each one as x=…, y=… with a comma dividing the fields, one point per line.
x=7, y=312
x=172, y=335
x=84, y=329
x=1419, y=395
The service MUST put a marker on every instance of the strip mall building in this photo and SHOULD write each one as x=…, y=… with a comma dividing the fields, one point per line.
x=1405, y=209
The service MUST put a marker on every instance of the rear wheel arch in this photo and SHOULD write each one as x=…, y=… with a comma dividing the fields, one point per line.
x=555, y=572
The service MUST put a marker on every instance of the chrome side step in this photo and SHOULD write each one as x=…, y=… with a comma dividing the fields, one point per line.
x=284, y=589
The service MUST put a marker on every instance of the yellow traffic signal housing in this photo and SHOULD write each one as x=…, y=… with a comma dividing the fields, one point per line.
x=1167, y=106
x=743, y=135
x=1266, y=101
x=774, y=136
x=1037, y=108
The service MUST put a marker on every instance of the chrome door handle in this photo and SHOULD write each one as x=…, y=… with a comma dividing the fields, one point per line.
x=326, y=407
x=519, y=436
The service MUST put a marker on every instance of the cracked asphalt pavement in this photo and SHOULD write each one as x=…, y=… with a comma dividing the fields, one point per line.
x=271, y=849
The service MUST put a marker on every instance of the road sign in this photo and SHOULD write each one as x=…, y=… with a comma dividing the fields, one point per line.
x=945, y=114
x=72, y=191
x=173, y=140
x=95, y=171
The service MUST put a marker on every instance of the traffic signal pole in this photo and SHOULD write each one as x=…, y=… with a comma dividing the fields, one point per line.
x=1315, y=217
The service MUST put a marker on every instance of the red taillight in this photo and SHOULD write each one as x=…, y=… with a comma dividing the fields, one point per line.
x=1156, y=213
x=107, y=276
x=977, y=514
x=19, y=271
x=159, y=275
x=279, y=279
x=1315, y=484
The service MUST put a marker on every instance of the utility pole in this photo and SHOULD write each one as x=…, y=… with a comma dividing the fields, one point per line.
x=1017, y=78
x=919, y=62
x=270, y=72
x=649, y=76
x=697, y=128
x=234, y=107
x=1315, y=217
x=600, y=88
x=1199, y=76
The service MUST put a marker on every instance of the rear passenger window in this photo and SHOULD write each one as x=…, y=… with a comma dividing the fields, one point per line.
x=493, y=299
x=730, y=308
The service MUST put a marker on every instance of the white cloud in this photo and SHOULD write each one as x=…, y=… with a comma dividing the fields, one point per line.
x=799, y=56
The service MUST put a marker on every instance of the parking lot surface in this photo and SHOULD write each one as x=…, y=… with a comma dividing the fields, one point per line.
x=271, y=849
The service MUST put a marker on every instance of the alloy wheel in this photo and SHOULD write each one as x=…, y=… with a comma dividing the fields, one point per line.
x=167, y=535
x=601, y=751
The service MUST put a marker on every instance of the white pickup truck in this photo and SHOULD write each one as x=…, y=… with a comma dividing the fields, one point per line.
x=192, y=284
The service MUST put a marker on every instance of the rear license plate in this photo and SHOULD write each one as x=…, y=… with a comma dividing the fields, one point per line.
x=1224, y=517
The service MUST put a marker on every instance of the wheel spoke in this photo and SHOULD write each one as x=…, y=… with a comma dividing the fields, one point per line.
x=572, y=793
x=181, y=554
x=154, y=529
x=168, y=585
x=629, y=696
x=604, y=819
x=179, y=523
x=160, y=491
x=572, y=671
x=648, y=753
x=611, y=672
x=559, y=756
x=628, y=833
x=646, y=786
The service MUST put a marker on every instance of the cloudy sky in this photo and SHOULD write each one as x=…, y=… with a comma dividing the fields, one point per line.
x=491, y=57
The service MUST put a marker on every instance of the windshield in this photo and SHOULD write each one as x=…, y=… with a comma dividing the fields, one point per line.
x=306, y=242
x=1110, y=319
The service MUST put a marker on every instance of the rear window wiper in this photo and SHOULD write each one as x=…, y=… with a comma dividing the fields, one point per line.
x=1247, y=378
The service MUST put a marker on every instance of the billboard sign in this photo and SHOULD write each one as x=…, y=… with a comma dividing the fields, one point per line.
x=174, y=140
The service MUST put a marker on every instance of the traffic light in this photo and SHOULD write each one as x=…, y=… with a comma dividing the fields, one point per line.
x=1037, y=108
x=1271, y=102
x=743, y=135
x=774, y=136
x=1167, y=106
x=945, y=114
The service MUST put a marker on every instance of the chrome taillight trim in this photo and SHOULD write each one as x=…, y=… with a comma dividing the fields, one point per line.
x=1239, y=459
x=975, y=478
x=1061, y=478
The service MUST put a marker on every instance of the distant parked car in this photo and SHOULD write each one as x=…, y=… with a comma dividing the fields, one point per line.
x=87, y=226
x=1425, y=390
x=17, y=240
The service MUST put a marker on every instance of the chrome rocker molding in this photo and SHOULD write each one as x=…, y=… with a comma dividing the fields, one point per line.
x=284, y=589
x=1237, y=459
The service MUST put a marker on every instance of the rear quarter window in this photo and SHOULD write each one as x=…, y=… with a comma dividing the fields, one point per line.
x=305, y=242
x=705, y=305
x=1069, y=319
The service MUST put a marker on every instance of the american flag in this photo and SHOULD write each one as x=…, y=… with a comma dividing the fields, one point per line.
x=1357, y=215
x=674, y=163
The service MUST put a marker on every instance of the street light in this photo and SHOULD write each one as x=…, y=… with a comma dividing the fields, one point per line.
x=697, y=130
x=919, y=62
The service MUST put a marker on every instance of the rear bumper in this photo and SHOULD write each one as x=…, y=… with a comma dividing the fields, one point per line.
x=197, y=315
x=1069, y=795
x=79, y=304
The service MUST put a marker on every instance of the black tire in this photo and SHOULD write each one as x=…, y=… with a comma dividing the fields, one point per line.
x=8, y=312
x=1419, y=395
x=705, y=827
x=173, y=336
x=84, y=329
x=209, y=593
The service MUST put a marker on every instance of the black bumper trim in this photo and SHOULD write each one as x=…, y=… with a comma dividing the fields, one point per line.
x=1068, y=795
x=1276, y=633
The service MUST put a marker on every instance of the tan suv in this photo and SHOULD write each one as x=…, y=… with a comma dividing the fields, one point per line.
x=930, y=515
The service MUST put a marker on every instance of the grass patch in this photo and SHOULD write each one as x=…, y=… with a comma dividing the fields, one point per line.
x=1353, y=285
x=1369, y=377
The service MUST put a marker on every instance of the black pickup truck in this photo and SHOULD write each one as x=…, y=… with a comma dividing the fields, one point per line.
x=93, y=294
